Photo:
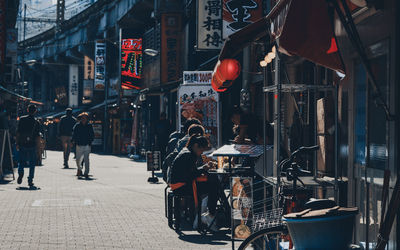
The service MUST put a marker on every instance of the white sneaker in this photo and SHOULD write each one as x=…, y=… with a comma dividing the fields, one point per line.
x=209, y=220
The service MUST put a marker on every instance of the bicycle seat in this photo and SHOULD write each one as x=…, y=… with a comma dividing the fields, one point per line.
x=316, y=204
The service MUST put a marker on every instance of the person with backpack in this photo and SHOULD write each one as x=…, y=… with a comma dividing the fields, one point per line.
x=28, y=133
x=67, y=123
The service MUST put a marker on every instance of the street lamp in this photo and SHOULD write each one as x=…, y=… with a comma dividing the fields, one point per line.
x=151, y=52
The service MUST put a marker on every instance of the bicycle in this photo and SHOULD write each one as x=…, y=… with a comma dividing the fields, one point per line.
x=269, y=230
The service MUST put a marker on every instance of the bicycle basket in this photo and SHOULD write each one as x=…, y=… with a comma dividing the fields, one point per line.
x=267, y=219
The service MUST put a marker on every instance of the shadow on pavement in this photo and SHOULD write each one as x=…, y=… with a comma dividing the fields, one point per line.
x=27, y=189
x=86, y=179
x=220, y=238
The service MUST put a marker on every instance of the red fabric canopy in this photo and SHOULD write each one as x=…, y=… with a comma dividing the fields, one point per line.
x=304, y=28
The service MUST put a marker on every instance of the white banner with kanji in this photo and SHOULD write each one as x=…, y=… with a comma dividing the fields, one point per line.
x=209, y=25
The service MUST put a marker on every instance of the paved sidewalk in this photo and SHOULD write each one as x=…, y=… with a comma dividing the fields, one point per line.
x=118, y=209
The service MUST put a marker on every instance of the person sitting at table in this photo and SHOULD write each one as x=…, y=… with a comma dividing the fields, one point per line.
x=248, y=128
x=193, y=130
x=185, y=178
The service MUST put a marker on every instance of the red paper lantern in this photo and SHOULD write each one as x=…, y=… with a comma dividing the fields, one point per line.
x=229, y=69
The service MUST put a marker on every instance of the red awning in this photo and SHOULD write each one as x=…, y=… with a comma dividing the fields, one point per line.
x=301, y=27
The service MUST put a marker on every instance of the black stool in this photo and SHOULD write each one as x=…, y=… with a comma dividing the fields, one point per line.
x=174, y=208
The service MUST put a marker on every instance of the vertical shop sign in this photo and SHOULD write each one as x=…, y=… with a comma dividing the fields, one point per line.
x=2, y=33
x=242, y=206
x=73, y=86
x=196, y=77
x=131, y=63
x=87, y=91
x=200, y=101
x=100, y=65
x=209, y=24
x=237, y=14
x=171, y=38
x=89, y=69
x=98, y=134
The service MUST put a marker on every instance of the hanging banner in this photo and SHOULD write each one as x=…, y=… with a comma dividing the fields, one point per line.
x=242, y=207
x=209, y=25
x=73, y=86
x=100, y=65
x=171, y=38
x=89, y=69
x=131, y=63
x=2, y=33
x=237, y=14
x=200, y=101
x=196, y=77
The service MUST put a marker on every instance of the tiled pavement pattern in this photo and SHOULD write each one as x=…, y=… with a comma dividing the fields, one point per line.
x=118, y=209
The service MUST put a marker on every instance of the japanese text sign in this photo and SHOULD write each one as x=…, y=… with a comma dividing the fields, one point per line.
x=171, y=37
x=237, y=14
x=89, y=69
x=73, y=85
x=209, y=24
x=100, y=65
x=197, y=77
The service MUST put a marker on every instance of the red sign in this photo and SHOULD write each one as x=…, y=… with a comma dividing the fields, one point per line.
x=132, y=63
x=2, y=33
x=171, y=37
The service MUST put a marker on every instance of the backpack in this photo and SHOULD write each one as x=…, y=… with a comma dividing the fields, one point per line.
x=166, y=166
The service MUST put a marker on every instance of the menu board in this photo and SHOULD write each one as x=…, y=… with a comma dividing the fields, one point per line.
x=242, y=206
x=153, y=159
x=200, y=101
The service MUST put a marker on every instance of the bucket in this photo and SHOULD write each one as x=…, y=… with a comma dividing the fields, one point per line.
x=328, y=229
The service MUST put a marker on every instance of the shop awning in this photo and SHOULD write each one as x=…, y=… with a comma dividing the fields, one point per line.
x=109, y=101
x=18, y=96
x=301, y=28
x=53, y=115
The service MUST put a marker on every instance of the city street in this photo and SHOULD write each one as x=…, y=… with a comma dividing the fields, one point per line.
x=117, y=209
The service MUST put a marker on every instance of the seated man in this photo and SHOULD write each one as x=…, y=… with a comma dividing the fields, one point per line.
x=186, y=179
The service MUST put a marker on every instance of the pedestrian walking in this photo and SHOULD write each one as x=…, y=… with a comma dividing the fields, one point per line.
x=27, y=137
x=83, y=136
x=67, y=123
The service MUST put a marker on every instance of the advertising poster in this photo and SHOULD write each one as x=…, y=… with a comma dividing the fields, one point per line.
x=153, y=159
x=131, y=63
x=61, y=96
x=89, y=68
x=171, y=39
x=100, y=65
x=196, y=77
x=98, y=134
x=73, y=86
x=200, y=101
x=209, y=25
x=237, y=14
x=242, y=206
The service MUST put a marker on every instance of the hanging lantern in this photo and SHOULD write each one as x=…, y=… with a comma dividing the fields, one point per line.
x=224, y=74
x=229, y=69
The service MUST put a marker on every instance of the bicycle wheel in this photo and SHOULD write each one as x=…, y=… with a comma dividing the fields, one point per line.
x=265, y=239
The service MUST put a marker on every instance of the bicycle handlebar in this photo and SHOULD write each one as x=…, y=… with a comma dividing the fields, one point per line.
x=303, y=149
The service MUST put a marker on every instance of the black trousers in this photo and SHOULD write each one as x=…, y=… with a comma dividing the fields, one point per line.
x=209, y=188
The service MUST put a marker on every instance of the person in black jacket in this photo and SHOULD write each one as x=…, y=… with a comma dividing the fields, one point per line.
x=67, y=123
x=184, y=171
x=83, y=136
x=27, y=136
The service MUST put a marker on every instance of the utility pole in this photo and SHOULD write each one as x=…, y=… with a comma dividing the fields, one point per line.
x=60, y=13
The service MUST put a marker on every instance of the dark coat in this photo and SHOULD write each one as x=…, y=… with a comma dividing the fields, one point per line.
x=83, y=134
x=184, y=168
x=67, y=124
